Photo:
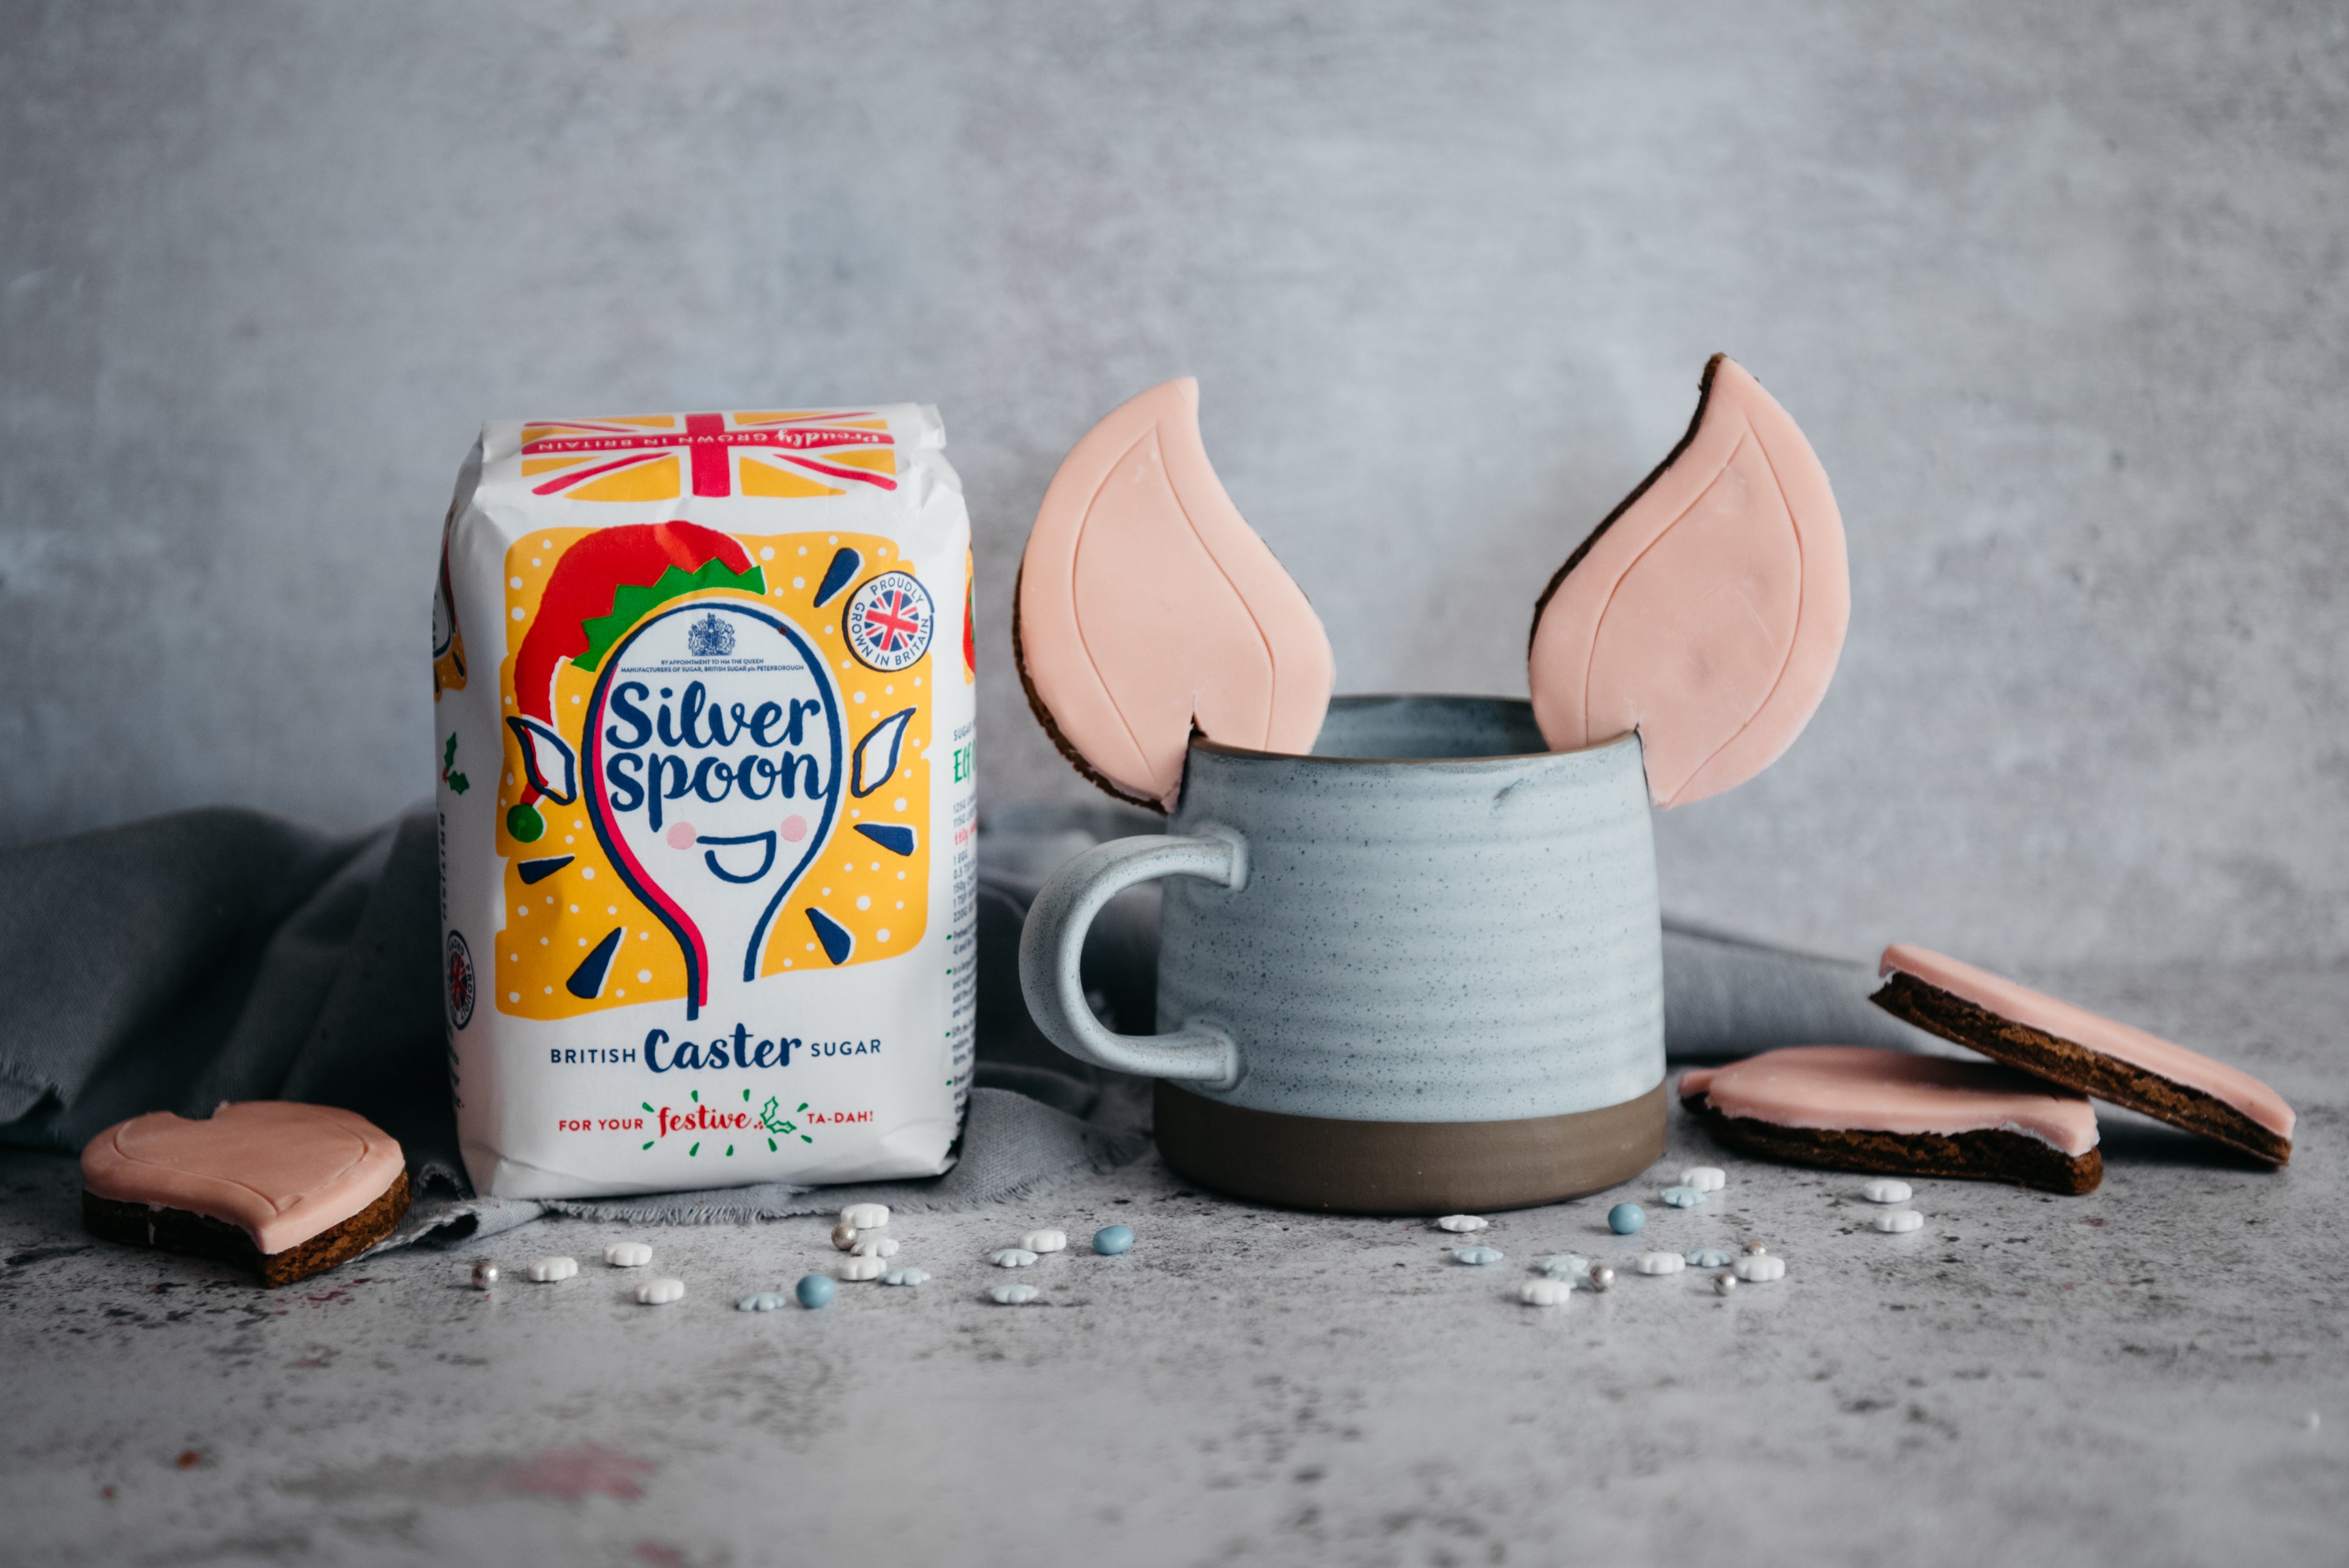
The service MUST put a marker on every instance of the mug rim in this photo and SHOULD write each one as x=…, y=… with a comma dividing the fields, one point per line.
x=1200, y=742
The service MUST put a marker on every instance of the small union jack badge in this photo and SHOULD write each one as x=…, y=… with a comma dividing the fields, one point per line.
x=889, y=622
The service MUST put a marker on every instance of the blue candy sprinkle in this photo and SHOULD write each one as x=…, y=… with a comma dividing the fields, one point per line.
x=814, y=1291
x=765, y=1301
x=1625, y=1219
x=1709, y=1258
x=1476, y=1256
x=1565, y=1266
x=1013, y=1258
x=906, y=1276
x=1112, y=1240
x=1013, y=1295
x=1683, y=1197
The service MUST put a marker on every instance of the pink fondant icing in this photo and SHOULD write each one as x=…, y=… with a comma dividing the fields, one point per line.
x=1147, y=604
x=283, y=1171
x=1708, y=613
x=1861, y=1088
x=2091, y=1031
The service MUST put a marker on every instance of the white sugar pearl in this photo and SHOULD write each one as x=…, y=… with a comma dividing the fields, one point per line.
x=1545, y=1293
x=1460, y=1224
x=1886, y=1192
x=865, y=1216
x=1706, y=1177
x=1013, y=1258
x=1760, y=1268
x=546, y=1271
x=1013, y=1295
x=1661, y=1262
x=627, y=1255
x=1896, y=1221
x=875, y=1247
x=660, y=1292
x=1045, y=1241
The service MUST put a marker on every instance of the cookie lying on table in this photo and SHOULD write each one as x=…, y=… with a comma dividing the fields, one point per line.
x=2082, y=1050
x=288, y=1190
x=1858, y=1107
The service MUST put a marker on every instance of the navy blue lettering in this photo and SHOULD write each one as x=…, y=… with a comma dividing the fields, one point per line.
x=624, y=704
x=619, y=771
x=701, y=777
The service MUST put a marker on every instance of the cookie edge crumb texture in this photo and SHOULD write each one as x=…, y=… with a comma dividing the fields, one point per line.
x=192, y=1234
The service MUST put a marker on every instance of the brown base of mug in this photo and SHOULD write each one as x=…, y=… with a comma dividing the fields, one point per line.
x=1407, y=1167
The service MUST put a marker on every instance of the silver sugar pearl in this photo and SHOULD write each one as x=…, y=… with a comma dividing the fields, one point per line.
x=1724, y=1283
x=1754, y=1249
x=485, y=1274
x=1601, y=1277
x=843, y=1235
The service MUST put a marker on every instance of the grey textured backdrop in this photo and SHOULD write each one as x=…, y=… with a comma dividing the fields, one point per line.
x=2055, y=291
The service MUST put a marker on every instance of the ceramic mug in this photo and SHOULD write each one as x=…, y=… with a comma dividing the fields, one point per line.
x=1419, y=970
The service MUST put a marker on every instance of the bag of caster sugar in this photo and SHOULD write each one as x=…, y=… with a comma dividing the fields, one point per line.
x=703, y=701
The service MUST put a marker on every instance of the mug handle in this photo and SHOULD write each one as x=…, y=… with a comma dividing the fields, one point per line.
x=1053, y=942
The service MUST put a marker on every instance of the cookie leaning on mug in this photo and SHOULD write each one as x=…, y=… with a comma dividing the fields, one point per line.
x=288, y=1190
x=1147, y=607
x=1708, y=610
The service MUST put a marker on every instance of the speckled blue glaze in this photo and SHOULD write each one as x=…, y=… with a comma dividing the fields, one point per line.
x=1625, y=1219
x=1429, y=919
x=1112, y=1240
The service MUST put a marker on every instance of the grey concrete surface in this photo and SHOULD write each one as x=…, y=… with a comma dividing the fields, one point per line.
x=2156, y=1373
x=2056, y=291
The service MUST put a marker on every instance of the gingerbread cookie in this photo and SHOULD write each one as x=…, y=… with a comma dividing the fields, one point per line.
x=1858, y=1108
x=2084, y=1051
x=288, y=1190
x=1146, y=607
x=1707, y=610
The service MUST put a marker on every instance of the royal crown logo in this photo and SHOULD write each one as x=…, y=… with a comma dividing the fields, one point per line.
x=709, y=638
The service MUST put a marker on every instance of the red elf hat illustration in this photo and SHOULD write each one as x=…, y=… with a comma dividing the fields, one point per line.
x=602, y=585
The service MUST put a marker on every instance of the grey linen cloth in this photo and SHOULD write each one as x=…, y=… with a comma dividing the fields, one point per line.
x=222, y=954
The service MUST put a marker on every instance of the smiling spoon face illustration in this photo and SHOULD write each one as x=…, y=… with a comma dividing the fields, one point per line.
x=1147, y=605
x=713, y=746
x=1708, y=610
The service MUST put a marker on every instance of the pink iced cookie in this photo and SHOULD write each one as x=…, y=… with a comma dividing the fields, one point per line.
x=1708, y=610
x=2085, y=1051
x=285, y=1188
x=1147, y=605
x=1858, y=1108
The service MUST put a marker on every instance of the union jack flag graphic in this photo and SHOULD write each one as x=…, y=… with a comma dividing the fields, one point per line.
x=655, y=456
x=891, y=621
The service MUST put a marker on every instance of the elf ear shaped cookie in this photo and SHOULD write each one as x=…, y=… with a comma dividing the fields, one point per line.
x=1146, y=606
x=1708, y=610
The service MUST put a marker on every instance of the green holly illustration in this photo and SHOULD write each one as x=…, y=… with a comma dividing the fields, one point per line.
x=458, y=783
